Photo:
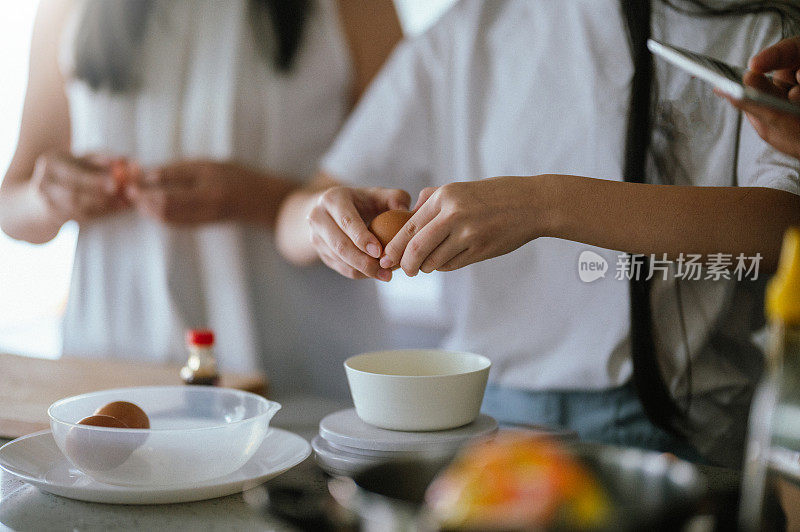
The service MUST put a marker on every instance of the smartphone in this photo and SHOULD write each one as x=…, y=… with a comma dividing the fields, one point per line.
x=727, y=78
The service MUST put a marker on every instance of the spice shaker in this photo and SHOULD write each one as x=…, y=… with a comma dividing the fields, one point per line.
x=201, y=368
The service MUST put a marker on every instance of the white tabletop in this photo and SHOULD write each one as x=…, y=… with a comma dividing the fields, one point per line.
x=23, y=507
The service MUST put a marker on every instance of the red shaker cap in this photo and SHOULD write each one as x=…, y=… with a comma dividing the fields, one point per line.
x=200, y=337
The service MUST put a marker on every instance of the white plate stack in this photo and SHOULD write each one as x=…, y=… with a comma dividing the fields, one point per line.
x=346, y=445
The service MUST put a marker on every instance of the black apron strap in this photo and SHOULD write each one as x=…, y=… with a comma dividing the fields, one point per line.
x=648, y=380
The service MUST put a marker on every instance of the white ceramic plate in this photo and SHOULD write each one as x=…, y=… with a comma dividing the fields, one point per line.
x=346, y=429
x=337, y=462
x=36, y=459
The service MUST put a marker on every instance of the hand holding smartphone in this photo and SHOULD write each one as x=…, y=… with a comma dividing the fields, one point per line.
x=727, y=78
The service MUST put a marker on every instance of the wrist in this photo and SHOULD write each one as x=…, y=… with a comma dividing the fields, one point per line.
x=34, y=201
x=257, y=197
x=273, y=191
x=292, y=230
x=545, y=206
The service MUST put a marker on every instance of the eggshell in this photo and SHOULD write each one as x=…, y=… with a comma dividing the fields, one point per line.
x=96, y=450
x=128, y=413
x=388, y=224
x=102, y=420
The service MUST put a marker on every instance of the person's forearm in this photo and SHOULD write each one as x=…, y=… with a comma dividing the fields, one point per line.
x=292, y=229
x=261, y=197
x=292, y=232
x=24, y=216
x=656, y=219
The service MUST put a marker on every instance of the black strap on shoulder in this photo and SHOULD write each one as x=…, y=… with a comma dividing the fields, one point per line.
x=648, y=380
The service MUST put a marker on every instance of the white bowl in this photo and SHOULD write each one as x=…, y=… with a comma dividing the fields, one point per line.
x=417, y=389
x=196, y=433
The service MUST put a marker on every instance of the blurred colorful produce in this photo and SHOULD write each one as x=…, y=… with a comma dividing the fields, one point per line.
x=518, y=481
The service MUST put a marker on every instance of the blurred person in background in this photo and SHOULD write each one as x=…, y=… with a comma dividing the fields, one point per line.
x=563, y=102
x=171, y=130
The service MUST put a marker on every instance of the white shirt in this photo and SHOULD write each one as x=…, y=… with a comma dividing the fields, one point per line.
x=530, y=87
x=207, y=92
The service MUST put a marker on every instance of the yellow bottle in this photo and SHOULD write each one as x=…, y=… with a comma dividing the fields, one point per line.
x=774, y=438
x=783, y=291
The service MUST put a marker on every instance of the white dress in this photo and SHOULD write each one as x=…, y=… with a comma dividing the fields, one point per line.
x=207, y=92
x=520, y=87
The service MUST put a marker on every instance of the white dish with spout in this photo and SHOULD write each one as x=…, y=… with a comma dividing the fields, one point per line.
x=37, y=460
x=196, y=433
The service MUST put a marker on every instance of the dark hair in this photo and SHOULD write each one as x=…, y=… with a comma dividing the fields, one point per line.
x=110, y=34
x=657, y=401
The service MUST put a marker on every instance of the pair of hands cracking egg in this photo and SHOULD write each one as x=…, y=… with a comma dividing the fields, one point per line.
x=450, y=226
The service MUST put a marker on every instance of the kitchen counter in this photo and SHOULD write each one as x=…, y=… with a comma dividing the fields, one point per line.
x=23, y=507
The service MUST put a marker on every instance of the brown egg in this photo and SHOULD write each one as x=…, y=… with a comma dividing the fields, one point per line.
x=128, y=413
x=94, y=450
x=99, y=420
x=387, y=224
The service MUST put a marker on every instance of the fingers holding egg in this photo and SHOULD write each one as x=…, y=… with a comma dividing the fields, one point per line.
x=387, y=224
x=412, y=241
x=431, y=247
x=442, y=255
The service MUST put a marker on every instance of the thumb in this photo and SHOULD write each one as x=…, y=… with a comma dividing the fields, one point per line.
x=794, y=95
x=762, y=83
x=384, y=199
